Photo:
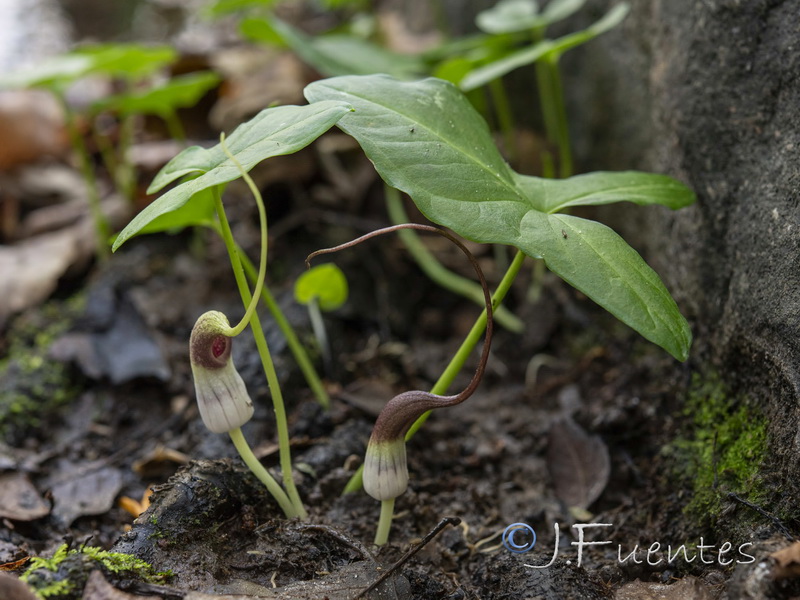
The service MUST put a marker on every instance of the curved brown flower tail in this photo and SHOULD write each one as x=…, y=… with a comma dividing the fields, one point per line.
x=221, y=394
x=385, y=467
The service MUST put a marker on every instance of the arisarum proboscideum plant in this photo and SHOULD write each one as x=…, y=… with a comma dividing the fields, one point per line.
x=385, y=465
x=197, y=201
x=225, y=406
x=426, y=139
x=221, y=393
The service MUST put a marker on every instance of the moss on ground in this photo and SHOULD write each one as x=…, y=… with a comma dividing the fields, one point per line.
x=65, y=574
x=31, y=384
x=721, y=450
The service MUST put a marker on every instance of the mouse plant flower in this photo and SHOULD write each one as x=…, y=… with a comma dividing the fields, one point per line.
x=385, y=465
x=221, y=394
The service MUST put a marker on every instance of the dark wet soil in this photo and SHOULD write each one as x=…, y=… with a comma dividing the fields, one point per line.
x=487, y=462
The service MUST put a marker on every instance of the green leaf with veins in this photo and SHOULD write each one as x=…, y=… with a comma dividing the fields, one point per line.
x=273, y=132
x=200, y=211
x=427, y=140
x=335, y=54
x=510, y=16
x=127, y=61
x=552, y=49
x=182, y=91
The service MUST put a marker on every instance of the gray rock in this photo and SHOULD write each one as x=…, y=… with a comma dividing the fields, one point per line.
x=709, y=92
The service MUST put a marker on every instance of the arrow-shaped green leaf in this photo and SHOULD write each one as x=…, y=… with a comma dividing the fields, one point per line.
x=179, y=92
x=426, y=140
x=555, y=48
x=273, y=132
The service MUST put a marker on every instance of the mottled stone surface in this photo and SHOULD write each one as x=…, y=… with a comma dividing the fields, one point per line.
x=709, y=92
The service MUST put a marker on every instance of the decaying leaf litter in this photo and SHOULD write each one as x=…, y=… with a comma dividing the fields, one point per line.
x=129, y=422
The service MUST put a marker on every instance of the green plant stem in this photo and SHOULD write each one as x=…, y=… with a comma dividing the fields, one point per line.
x=174, y=126
x=102, y=229
x=505, y=117
x=297, y=349
x=262, y=218
x=384, y=522
x=562, y=126
x=436, y=271
x=472, y=339
x=266, y=360
x=458, y=360
x=547, y=100
x=125, y=175
x=318, y=325
x=263, y=475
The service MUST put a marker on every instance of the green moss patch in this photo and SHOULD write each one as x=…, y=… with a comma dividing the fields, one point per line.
x=722, y=449
x=65, y=574
x=32, y=384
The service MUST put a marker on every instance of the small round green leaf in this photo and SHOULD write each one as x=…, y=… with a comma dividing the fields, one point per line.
x=326, y=283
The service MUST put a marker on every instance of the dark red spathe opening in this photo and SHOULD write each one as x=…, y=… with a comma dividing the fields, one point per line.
x=218, y=346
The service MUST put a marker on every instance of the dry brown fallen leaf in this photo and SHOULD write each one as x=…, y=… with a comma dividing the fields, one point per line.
x=31, y=268
x=14, y=565
x=688, y=588
x=97, y=588
x=12, y=588
x=33, y=127
x=83, y=488
x=19, y=499
x=787, y=562
x=578, y=463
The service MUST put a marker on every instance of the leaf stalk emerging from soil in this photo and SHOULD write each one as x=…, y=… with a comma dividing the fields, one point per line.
x=458, y=360
x=250, y=300
x=262, y=219
x=438, y=272
x=296, y=347
x=266, y=360
x=385, y=465
x=263, y=475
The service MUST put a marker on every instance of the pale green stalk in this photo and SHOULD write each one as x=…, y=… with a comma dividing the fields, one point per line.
x=504, y=116
x=546, y=100
x=384, y=522
x=318, y=325
x=262, y=219
x=297, y=349
x=458, y=360
x=266, y=360
x=101, y=226
x=562, y=126
x=554, y=113
x=125, y=175
x=263, y=475
x=174, y=126
x=436, y=271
